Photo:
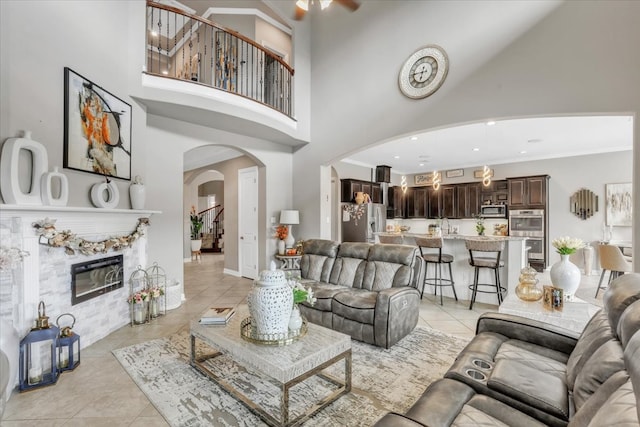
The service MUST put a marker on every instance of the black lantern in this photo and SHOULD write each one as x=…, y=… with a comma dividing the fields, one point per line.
x=38, y=354
x=68, y=346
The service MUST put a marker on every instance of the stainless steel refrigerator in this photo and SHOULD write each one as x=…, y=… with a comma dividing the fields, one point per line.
x=360, y=222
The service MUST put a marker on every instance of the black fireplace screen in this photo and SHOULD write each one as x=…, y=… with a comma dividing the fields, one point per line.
x=94, y=278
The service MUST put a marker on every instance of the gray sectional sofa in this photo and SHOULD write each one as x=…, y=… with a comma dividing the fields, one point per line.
x=520, y=372
x=362, y=289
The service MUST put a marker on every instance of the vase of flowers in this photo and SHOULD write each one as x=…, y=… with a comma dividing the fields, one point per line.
x=154, y=303
x=565, y=274
x=300, y=294
x=139, y=306
x=196, y=227
x=479, y=225
x=281, y=234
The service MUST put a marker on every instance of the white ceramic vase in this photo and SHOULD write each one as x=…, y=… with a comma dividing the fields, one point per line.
x=281, y=247
x=270, y=303
x=566, y=276
x=295, y=321
x=137, y=193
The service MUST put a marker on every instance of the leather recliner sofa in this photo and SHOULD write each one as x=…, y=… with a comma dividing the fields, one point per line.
x=364, y=290
x=521, y=372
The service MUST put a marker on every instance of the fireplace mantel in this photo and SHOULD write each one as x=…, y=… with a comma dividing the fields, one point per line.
x=67, y=209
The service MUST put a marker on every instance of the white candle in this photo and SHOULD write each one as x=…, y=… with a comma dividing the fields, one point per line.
x=35, y=375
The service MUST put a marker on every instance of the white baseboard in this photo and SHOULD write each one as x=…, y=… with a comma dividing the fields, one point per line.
x=231, y=272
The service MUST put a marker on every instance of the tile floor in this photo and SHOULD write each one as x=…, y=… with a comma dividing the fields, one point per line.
x=100, y=393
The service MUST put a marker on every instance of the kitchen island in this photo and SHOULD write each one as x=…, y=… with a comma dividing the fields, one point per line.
x=514, y=257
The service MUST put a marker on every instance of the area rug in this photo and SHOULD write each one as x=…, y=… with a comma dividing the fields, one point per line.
x=382, y=381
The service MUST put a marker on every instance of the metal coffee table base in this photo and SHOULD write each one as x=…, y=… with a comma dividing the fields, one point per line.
x=344, y=387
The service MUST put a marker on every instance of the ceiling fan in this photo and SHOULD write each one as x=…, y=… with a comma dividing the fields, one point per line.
x=302, y=6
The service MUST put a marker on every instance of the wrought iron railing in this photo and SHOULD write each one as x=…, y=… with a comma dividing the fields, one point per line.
x=187, y=47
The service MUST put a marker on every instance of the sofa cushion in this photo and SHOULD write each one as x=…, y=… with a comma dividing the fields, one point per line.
x=324, y=293
x=531, y=386
x=348, y=272
x=534, y=356
x=622, y=292
x=389, y=266
x=604, y=362
x=596, y=332
x=355, y=304
x=317, y=259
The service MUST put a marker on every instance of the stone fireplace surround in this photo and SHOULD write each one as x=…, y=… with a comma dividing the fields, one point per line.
x=45, y=275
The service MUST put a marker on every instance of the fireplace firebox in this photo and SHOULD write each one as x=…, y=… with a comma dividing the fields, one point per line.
x=94, y=278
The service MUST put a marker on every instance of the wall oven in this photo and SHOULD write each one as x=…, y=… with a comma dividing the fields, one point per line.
x=529, y=223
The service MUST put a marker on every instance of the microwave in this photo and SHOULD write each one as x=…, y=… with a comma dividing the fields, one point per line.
x=493, y=211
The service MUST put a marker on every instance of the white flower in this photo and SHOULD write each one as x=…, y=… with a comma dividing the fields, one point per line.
x=10, y=257
x=567, y=245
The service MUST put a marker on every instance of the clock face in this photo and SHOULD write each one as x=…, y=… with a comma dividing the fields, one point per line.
x=423, y=72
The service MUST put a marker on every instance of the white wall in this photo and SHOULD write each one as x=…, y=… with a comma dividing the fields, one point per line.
x=547, y=70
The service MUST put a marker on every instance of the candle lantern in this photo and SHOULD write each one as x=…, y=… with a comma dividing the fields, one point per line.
x=38, y=354
x=139, y=297
x=157, y=290
x=68, y=346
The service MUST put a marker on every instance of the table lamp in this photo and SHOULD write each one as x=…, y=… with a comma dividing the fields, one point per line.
x=289, y=217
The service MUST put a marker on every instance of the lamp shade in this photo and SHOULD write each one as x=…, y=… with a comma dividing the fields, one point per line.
x=289, y=217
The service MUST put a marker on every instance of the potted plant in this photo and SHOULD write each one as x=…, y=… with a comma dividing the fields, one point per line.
x=300, y=294
x=196, y=227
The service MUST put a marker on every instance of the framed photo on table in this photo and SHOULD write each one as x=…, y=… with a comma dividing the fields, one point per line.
x=619, y=204
x=97, y=129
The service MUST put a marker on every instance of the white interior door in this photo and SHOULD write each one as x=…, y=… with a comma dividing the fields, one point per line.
x=248, y=222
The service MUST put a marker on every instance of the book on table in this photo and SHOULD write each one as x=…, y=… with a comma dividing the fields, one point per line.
x=217, y=315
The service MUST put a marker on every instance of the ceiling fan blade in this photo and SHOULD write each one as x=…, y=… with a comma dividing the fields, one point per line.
x=349, y=4
x=299, y=13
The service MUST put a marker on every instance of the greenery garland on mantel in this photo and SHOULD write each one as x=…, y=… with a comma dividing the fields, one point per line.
x=50, y=236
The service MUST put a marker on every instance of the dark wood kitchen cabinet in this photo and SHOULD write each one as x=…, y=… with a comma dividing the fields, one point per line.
x=434, y=207
x=468, y=198
x=348, y=188
x=417, y=202
x=448, y=201
x=396, y=207
x=528, y=192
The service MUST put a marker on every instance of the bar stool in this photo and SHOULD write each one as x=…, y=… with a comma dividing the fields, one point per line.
x=397, y=239
x=485, y=253
x=427, y=246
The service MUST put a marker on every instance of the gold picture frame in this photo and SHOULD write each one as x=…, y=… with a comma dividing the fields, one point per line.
x=454, y=173
x=423, y=178
x=478, y=173
x=552, y=298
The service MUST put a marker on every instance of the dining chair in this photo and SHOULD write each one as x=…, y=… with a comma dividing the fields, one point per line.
x=612, y=259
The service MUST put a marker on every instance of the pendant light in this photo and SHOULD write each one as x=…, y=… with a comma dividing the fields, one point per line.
x=436, y=178
x=403, y=184
x=486, y=171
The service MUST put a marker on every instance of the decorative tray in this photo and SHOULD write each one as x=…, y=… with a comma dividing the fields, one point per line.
x=248, y=333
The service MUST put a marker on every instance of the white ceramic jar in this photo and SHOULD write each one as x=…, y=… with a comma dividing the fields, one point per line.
x=270, y=302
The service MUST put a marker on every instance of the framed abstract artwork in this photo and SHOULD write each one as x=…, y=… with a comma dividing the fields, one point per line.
x=97, y=129
x=619, y=204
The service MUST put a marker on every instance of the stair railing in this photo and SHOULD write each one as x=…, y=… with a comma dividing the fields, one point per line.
x=187, y=47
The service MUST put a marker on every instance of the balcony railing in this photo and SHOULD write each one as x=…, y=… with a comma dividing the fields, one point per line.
x=188, y=47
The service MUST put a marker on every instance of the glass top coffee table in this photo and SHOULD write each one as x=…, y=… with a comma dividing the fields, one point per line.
x=285, y=366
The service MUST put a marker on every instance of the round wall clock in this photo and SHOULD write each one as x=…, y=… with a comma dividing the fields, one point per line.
x=423, y=72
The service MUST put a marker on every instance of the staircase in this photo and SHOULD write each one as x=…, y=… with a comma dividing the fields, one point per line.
x=213, y=230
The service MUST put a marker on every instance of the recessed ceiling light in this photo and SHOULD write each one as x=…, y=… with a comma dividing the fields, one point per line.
x=421, y=164
x=523, y=152
x=165, y=72
x=534, y=141
x=476, y=149
x=491, y=123
x=154, y=33
x=414, y=138
x=396, y=157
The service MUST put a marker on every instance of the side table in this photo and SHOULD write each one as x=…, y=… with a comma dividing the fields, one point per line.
x=289, y=263
x=574, y=315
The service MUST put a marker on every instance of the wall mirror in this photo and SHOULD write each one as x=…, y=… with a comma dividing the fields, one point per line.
x=584, y=203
